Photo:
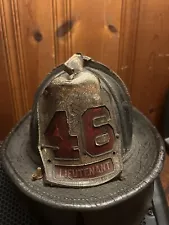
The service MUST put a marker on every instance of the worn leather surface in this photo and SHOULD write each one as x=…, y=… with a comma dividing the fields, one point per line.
x=140, y=169
x=131, y=212
x=16, y=208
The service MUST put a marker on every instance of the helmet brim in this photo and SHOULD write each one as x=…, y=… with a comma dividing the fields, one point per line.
x=142, y=165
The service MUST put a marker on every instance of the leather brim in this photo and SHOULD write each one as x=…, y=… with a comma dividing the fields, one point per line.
x=140, y=169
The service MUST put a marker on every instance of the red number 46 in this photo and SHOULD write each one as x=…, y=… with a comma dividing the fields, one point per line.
x=98, y=134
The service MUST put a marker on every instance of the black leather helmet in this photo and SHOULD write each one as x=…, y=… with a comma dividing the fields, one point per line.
x=83, y=146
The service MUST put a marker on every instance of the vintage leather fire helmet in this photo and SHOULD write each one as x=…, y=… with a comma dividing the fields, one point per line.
x=83, y=146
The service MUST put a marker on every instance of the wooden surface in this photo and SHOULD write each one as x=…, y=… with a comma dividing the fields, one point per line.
x=165, y=178
x=129, y=36
x=151, y=68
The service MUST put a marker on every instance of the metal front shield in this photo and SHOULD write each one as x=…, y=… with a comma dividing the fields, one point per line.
x=79, y=139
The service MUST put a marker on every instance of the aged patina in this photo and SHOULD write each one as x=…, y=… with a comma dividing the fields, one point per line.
x=84, y=149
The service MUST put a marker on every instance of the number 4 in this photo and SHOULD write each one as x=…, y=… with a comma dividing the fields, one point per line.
x=98, y=134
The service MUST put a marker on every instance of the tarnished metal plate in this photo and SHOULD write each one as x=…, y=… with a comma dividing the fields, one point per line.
x=79, y=139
